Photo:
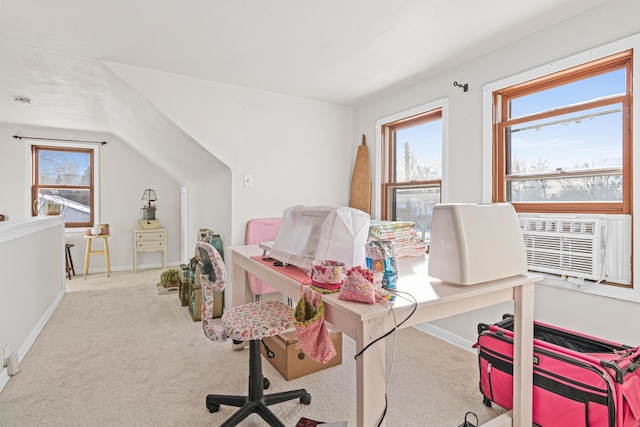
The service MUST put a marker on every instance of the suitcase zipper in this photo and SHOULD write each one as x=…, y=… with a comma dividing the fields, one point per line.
x=489, y=378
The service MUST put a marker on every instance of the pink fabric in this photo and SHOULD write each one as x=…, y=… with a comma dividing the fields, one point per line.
x=261, y=230
x=328, y=272
x=359, y=286
x=311, y=330
x=631, y=398
x=290, y=271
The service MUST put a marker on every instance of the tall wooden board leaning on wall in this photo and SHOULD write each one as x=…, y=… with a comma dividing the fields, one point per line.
x=361, y=180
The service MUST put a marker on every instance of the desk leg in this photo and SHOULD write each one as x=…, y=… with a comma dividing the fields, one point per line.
x=370, y=373
x=522, y=412
x=106, y=255
x=523, y=355
x=87, y=255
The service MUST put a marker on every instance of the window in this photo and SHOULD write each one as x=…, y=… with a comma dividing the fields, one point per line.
x=412, y=157
x=562, y=142
x=63, y=183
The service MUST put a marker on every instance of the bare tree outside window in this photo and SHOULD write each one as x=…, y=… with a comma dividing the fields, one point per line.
x=414, y=148
x=563, y=142
x=64, y=176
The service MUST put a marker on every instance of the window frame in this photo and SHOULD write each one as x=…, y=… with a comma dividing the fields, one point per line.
x=390, y=164
x=520, y=75
x=382, y=175
x=501, y=99
x=93, y=149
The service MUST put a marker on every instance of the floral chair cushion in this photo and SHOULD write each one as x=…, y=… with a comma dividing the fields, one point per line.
x=258, y=320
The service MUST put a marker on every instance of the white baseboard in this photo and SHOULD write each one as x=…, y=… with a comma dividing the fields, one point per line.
x=31, y=339
x=447, y=336
x=4, y=378
x=24, y=348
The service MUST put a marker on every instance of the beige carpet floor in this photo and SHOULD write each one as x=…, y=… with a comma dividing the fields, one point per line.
x=116, y=353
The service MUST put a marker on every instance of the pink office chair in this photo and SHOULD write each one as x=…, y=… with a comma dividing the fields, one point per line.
x=249, y=322
x=261, y=230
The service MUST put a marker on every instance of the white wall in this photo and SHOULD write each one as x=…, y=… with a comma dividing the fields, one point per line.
x=297, y=150
x=33, y=285
x=614, y=20
x=124, y=175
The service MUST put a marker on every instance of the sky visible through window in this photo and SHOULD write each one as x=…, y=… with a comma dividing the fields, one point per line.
x=64, y=167
x=425, y=142
x=592, y=137
x=593, y=141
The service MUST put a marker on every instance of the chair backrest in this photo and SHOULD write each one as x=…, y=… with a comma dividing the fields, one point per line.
x=213, y=272
x=211, y=282
x=261, y=230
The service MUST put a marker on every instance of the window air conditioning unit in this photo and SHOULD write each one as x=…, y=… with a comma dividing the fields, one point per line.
x=583, y=247
x=569, y=247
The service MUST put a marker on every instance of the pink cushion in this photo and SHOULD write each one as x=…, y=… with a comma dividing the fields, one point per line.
x=261, y=230
x=257, y=320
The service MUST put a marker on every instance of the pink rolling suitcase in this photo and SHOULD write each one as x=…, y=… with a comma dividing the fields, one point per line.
x=578, y=380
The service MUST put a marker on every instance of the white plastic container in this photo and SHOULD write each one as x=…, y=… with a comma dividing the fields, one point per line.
x=473, y=243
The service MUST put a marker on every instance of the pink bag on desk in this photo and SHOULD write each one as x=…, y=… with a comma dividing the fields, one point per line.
x=358, y=286
x=312, y=333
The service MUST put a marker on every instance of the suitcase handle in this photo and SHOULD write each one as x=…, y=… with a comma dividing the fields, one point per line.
x=482, y=327
x=630, y=368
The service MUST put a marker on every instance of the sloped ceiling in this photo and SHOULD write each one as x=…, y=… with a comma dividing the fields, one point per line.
x=346, y=52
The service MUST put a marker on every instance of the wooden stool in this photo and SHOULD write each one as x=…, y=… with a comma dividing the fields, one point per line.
x=68, y=260
x=104, y=251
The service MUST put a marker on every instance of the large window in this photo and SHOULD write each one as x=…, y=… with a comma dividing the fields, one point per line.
x=562, y=142
x=63, y=184
x=412, y=181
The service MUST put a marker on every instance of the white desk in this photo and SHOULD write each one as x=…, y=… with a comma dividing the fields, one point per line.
x=364, y=323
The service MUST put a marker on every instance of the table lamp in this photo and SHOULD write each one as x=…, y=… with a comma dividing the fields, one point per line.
x=149, y=211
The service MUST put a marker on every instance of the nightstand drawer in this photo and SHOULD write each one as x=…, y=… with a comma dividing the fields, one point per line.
x=151, y=246
x=149, y=241
x=149, y=237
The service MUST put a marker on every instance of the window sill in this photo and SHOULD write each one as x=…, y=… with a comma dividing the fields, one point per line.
x=607, y=291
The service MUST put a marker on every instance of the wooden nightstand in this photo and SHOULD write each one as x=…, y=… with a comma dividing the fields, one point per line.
x=151, y=240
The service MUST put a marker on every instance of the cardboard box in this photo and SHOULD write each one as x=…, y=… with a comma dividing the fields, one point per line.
x=291, y=361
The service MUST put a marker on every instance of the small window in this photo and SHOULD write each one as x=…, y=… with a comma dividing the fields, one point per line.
x=562, y=142
x=413, y=165
x=63, y=184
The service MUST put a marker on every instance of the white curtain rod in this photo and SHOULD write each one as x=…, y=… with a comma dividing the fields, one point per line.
x=35, y=138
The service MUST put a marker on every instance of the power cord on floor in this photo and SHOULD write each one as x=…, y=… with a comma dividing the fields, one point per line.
x=468, y=423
